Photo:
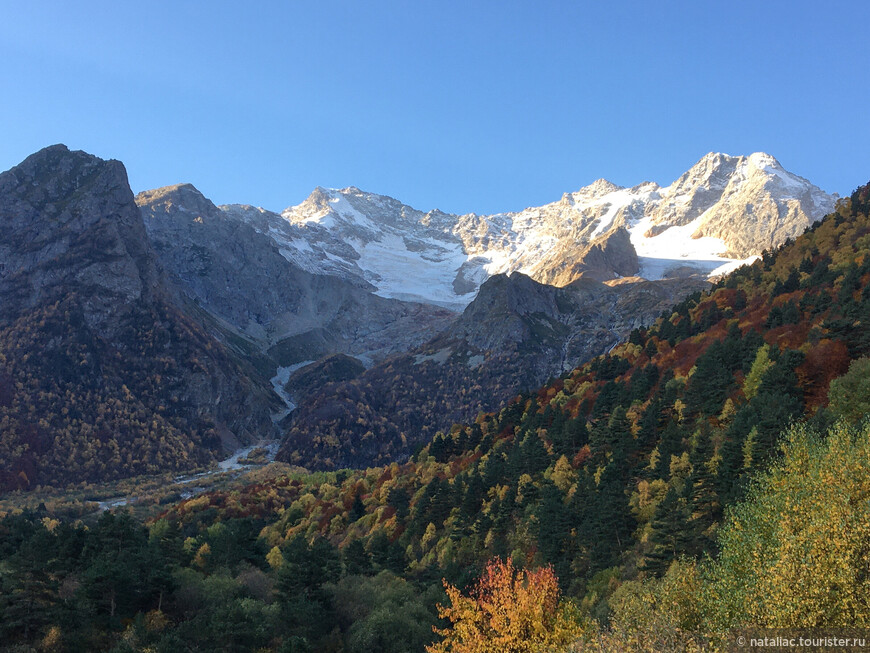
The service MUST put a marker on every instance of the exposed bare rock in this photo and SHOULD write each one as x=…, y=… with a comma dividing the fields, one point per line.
x=240, y=276
x=722, y=211
x=68, y=224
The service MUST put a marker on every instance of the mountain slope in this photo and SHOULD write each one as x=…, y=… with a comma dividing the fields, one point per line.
x=240, y=277
x=619, y=467
x=101, y=374
x=601, y=478
x=515, y=335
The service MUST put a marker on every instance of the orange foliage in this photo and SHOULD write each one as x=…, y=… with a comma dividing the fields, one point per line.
x=508, y=609
x=725, y=297
x=790, y=336
x=581, y=456
x=686, y=353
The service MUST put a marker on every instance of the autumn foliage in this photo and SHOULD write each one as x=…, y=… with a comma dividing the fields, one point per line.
x=509, y=610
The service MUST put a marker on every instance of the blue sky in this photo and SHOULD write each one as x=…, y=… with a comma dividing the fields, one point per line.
x=463, y=106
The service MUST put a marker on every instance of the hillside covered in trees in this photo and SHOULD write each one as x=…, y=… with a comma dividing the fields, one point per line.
x=516, y=334
x=630, y=478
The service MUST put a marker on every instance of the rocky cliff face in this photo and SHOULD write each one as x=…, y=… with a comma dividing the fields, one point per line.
x=606, y=257
x=515, y=335
x=101, y=374
x=68, y=225
x=239, y=275
x=761, y=206
x=122, y=341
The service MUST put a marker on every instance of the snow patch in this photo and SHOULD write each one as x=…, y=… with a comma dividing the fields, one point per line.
x=676, y=248
x=400, y=273
x=616, y=200
x=410, y=255
x=439, y=356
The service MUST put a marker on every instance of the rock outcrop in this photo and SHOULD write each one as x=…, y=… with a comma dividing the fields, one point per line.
x=722, y=211
x=68, y=224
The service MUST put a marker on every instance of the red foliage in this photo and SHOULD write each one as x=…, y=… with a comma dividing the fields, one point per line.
x=725, y=297
x=823, y=363
x=581, y=456
x=387, y=513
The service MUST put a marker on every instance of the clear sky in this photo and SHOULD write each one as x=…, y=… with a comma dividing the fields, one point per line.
x=463, y=106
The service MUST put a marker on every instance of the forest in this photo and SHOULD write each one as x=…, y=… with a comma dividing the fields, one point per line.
x=121, y=408
x=654, y=499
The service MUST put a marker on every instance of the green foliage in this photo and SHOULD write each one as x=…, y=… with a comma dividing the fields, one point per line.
x=760, y=365
x=385, y=613
x=849, y=395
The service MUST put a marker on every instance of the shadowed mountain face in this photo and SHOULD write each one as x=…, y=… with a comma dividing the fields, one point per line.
x=68, y=225
x=515, y=335
x=131, y=329
x=101, y=374
x=240, y=277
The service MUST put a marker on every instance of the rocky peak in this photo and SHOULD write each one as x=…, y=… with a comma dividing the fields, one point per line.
x=69, y=221
x=184, y=196
x=516, y=293
x=762, y=160
x=598, y=188
x=611, y=253
x=737, y=207
x=94, y=335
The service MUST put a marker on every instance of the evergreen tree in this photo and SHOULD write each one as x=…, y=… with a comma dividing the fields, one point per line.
x=357, y=509
x=609, y=518
x=551, y=524
x=669, y=534
x=671, y=444
x=703, y=500
x=356, y=559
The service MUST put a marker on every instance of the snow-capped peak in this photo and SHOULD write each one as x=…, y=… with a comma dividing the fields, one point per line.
x=764, y=161
x=723, y=210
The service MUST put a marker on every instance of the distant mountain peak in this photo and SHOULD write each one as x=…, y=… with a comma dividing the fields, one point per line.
x=718, y=213
x=192, y=203
x=599, y=188
x=763, y=160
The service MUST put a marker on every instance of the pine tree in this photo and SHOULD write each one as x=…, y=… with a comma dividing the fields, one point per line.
x=669, y=534
x=703, y=500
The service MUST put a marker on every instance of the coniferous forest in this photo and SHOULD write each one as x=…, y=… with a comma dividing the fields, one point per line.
x=711, y=473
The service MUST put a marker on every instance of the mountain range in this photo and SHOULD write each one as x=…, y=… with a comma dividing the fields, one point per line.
x=722, y=211
x=707, y=475
x=165, y=306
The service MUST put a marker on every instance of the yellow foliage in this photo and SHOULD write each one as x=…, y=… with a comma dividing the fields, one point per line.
x=760, y=365
x=428, y=536
x=53, y=640
x=156, y=621
x=796, y=554
x=508, y=610
x=275, y=558
x=50, y=524
x=201, y=557
x=563, y=474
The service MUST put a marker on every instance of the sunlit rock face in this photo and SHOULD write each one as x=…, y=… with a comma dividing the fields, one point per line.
x=722, y=211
